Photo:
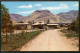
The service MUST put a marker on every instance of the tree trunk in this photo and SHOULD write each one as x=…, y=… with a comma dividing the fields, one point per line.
x=6, y=36
x=16, y=32
x=10, y=36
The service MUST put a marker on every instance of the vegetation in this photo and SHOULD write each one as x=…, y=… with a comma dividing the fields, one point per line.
x=75, y=25
x=73, y=30
x=5, y=17
x=6, y=23
x=70, y=33
x=18, y=41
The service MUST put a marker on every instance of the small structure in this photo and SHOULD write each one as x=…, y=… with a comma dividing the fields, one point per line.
x=40, y=25
x=19, y=25
x=52, y=26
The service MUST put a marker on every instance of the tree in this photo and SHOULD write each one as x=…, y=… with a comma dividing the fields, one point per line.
x=3, y=15
x=77, y=24
x=73, y=25
x=6, y=23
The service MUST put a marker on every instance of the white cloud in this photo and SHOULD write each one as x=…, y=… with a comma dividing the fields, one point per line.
x=61, y=6
x=24, y=6
x=76, y=4
x=38, y=4
x=25, y=12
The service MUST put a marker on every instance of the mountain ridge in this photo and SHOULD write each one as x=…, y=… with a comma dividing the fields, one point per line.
x=16, y=17
x=42, y=15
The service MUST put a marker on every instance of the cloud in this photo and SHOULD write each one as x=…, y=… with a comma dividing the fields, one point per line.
x=76, y=5
x=25, y=12
x=24, y=6
x=38, y=4
x=61, y=6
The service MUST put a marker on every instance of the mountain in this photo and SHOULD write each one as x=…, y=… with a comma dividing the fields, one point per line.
x=45, y=15
x=42, y=15
x=68, y=16
x=16, y=17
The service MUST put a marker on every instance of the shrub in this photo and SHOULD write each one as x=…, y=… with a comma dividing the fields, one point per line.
x=70, y=33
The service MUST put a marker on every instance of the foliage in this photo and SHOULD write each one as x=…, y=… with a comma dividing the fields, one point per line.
x=18, y=40
x=70, y=33
x=6, y=23
x=5, y=18
x=75, y=25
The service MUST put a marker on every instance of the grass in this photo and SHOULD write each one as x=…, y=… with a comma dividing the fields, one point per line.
x=17, y=41
x=69, y=33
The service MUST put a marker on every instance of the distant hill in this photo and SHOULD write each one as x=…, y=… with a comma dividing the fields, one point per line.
x=41, y=15
x=16, y=17
x=44, y=15
x=68, y=15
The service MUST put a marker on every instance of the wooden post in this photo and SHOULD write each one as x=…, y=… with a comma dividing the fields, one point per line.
x=26, y=29
x=6, y=35
x=10, y=36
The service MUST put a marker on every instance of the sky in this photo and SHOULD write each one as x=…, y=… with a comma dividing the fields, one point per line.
x=25, y=8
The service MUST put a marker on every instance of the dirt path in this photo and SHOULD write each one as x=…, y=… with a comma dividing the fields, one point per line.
x=49, y=40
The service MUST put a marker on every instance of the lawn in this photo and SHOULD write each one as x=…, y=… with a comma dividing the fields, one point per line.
x=18, y=40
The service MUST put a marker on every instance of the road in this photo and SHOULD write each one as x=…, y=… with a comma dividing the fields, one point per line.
x=49, y=40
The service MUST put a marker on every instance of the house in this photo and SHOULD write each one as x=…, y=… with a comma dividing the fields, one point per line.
x=40, y=25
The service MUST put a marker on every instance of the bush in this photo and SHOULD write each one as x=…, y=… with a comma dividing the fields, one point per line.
x=70, y=33
x=19, y=40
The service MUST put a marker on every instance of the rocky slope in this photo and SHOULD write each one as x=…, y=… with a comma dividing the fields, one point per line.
x=44, y=15
x=68, y=15
x=16, y=17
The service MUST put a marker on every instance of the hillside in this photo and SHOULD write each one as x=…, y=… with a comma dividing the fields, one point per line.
x=43, y=15
x=68, y=15
x=16, y=17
